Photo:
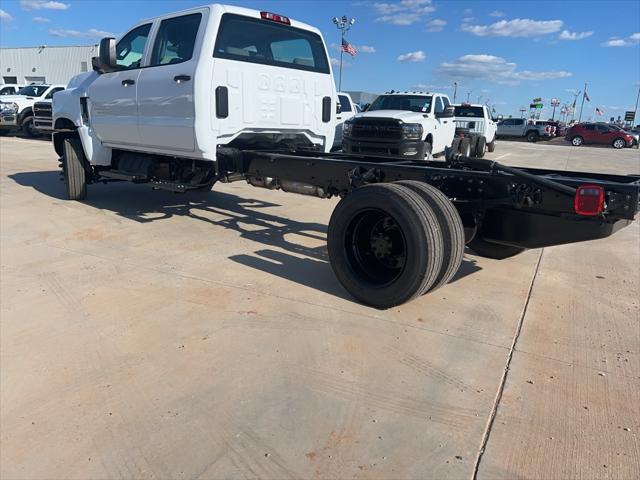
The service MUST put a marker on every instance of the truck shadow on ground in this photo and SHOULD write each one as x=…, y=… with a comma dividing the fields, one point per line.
x=298, y=249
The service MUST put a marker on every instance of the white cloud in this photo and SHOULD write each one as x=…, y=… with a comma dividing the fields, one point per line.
x=436, y=25
x=91, y=33
x=633, y=39
x=5, y=17
x=567, y=35
x=493, y=69
x=497, y=13
x=43, y=5
x=519, y=27
x=429, y=87
x=40, y=20
x=417, y=56
x=405, y=12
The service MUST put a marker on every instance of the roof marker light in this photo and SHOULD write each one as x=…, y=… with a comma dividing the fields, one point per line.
x=589, y=200
x=274, y=17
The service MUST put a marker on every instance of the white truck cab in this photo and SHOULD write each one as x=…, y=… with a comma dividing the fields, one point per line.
x=411, y=125
x=185, y=83
x=16, y=111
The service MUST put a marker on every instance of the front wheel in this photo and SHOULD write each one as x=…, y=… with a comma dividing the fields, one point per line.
x=385, y=245
x=577, y=141
x=75, y=176
x=619, y=143
x=29, y=129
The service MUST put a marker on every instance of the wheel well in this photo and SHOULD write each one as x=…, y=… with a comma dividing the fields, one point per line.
x=64, y=124
x=58, y=141
x=27, y=112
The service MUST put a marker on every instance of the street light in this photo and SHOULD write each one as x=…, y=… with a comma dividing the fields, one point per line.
x=344, y=25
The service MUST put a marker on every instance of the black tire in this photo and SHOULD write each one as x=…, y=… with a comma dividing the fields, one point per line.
x=454, y=149
x=493, y=250
x=75, y=176
x=450, y=223
x=619, y=143
x=428, y=151
x=577, y=141
x=491, y=146
x=533, y=137
x=385, y=245
x=465, y=147
x=28, y=129
x=480, y=147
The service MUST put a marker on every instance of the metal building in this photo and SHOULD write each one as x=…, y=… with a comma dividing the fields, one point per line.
x=57, y=65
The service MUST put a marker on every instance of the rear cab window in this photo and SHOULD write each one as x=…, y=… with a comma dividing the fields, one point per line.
x=468, y=111
x=254, y=40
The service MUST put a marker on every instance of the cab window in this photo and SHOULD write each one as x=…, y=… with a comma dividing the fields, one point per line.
x=130, y=48
x=439, y=107
x=50, y=94
x=7, y=91
x=176, y=40
x=253, y=40
x=345, y=104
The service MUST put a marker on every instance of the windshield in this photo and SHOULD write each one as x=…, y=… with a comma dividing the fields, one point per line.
x=411, y=103
x=469, y=112
x=32, y=90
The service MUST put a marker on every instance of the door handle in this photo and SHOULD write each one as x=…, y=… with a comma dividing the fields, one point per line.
x=181, y=78
x=127, y=82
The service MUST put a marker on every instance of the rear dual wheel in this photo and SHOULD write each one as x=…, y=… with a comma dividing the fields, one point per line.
x=389, y=243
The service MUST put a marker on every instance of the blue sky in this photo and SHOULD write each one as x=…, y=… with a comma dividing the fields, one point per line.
x=503, y=52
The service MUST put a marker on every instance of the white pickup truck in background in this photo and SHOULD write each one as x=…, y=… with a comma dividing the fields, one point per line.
x=347, y=109
x=412, y=125
x=16, y=111
x=476, y=120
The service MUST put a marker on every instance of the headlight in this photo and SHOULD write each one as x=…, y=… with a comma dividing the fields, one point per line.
x=347, y=128
x=9, y=108
x=412, y=130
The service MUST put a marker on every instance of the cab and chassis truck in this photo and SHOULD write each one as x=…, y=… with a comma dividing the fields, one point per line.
x=223, y=94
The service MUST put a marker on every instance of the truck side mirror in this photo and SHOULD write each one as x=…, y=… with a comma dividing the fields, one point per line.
x=448, y=112
x=106, y=61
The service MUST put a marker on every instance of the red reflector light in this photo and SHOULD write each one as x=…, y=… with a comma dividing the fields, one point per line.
x=589, y=200
x=274, y=17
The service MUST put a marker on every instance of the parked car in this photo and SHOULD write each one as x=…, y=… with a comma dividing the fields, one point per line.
x=16, y=111
x=520, y=127
x=346, y=110
x=599, y=133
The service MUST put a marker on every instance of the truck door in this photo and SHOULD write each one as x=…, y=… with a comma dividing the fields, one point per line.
x=444, y=127
x=112, y=97
x=166, y=111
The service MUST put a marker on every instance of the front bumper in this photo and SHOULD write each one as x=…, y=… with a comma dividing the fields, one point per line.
x=410, y=149
x=8, y=120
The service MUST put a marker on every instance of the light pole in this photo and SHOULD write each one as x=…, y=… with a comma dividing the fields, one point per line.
x=344, y=25
x=468, y=95
x=455, y=92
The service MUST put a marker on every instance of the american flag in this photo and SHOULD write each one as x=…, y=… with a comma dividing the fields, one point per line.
x=599, y=111
x=586, y=96
x=348, y=48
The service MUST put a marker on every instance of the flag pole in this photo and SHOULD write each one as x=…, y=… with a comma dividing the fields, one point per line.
x=584, y=94
x=341, y=54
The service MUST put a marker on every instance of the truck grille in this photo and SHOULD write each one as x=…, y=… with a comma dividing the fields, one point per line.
x=42, y=110
x=376, y=128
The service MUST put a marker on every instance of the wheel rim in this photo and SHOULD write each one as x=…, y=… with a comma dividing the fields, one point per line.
x=376, y=247
x=577, y=141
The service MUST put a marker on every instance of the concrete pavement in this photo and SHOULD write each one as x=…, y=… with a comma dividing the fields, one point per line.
x=152, y=335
